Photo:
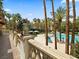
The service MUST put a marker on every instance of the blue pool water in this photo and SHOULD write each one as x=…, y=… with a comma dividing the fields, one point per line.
x=49, y=40
x=63, y=37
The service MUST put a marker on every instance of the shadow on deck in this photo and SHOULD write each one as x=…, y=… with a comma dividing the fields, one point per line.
x=5, y=46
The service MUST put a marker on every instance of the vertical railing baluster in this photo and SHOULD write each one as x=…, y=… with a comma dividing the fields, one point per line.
x=49, y=57
x=45, y=56
x=33, y=53
x=26, y=45
x=30, y=52
x=38, y=56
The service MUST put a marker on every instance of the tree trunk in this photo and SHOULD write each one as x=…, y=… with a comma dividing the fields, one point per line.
x=73, y=28
x=67, y=27
x=0, y=29
x=9, y=24
x=55, y=40
x=60, y=31
x=54, y=23
x=46, y=25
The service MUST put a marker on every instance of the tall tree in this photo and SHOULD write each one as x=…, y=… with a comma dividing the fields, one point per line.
x=46, y=26
x=1, y=4
x=36, y=23
x=26, y=25
x=54, y=22
x=60, y=13
x=20, y=27
x=8, y=15
x=16, y=18
x=73, y=28
x=25, y=20
x=77, y=24
x=67, y=27
x=49, y=23
x=42, y=25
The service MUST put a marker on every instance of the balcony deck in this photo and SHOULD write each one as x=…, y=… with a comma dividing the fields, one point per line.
x=34, y=49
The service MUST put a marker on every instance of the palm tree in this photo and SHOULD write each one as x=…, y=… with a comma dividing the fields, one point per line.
x=49, y=23
x=1, y=4
x=8, y=15
x=16, y=18
x=26, y=25
x=54, y=22
x=46, y=26
x=67, y=27
x=73, y=28
x=36, y=23
x=42, y=25
x=60, y=13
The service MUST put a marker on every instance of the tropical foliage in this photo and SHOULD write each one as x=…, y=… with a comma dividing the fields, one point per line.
x=73, y=28
x=1, y=4
x=8, y=20
x=60, y=14
x=16, y=23
x=76, y=52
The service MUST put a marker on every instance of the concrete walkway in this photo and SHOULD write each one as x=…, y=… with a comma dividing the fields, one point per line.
x=7, y=49
x=4, y=46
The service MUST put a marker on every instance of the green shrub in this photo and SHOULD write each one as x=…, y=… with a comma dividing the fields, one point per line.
x=20, y=27
x=76, y=54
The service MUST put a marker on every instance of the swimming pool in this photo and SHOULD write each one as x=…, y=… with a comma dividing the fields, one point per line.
x=49, y=40
x=63, y=37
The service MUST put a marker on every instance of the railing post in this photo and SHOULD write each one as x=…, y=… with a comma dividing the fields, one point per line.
x=45, y=56
x=30, y=53
x=27, y=46
x=33, y=53
x=38, y=56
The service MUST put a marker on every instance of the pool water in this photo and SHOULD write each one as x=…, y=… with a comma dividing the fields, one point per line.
x=63, y=37
x=49, y=40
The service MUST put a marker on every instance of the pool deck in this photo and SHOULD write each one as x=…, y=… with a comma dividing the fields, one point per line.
x=60, y=46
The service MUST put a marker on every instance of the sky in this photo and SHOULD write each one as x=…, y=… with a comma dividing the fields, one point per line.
x=34, y=8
